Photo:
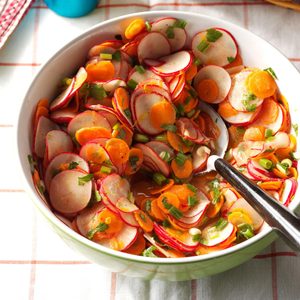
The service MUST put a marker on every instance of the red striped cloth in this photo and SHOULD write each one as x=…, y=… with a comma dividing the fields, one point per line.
x=34, y=262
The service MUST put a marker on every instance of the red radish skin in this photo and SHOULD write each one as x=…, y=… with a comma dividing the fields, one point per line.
x=63, y=116
x=129, y=219
x=66, y=195
x=141, y=77
x=160, y=147
x=288, y=191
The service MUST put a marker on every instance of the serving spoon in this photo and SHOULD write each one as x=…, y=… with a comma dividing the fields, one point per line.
x=275, y=214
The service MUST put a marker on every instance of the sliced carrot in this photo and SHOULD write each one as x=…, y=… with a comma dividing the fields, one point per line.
x=131, y=48
x=286, y=124
x=40, y=111
x=134, y=28
x=270, y=185
x=261, y=84
x=144, y=220
x=284, y=102
x=123, y=133
x=294, y=172
x=159, y=190
x=86, y=134
x=191, y=72
x=285, y=152
x=122, y=97
x=184, y=171
x=166, y=199
x=96, y=157
x=225, y=110
x=156, y=212
x=118, y=151
x=138, y=246
x=213, y=209
x=186, y=100
x=239, y=217
x=162, y=113
x=100, y=71
x=182, y=192
x=268, y=113
x=254, y=134
x=43, y=102
x=237, y=62
x=207, y=90
x=36, y=177
x=134, y=162
x=176, y=142
x=280, y=174
x=236, y=135
x=175, y=224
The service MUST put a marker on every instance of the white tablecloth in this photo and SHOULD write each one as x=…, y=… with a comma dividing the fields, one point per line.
x=34, y=262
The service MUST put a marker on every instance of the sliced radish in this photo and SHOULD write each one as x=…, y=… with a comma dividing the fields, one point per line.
x=124, y=239
x=218, y=52
x=61, y=159
x=142, y=105
x=62, y=116
x=124, y=70
x=110, y=85
x=219, y=75
x=109, y=205
x=186, y=244
x=260, y=169
x=152, y=46
x=263, y=118
x=57, y=141
x=96, y=148
x=87, y=219
x=140, y=77
x=200, y=156
x=257, y=175
x=178, y=41
x=246, y=150
x=124, y=205
x=288, y=191
x=153, y=161
x=152, y=62
x=114, y=187
x=234, y=70
x=128, y=218
x=177, y=85
x=212, y=236
x=173, y=64
x=279, y=140
x=230, y=197
x=239, y=91
x=240, y=117
x=67, y=195
x=160, y=147
x=87, y=118
x=65, y=96
x=242, y=205
x=44, y=125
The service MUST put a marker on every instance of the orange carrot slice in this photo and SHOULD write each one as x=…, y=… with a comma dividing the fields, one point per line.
x=156, y=212
x=261, y=84
x=40, y=111
x=191, y=72
x=184, y=171
x=176, y=142
x=162, y=113
x=124, y=133
x=254, y=134
x=144, y=220
x=138, y=246
x=207, y=90
x=213, y=209
x=163, y=188
x=286, y=124
x=134, y=28
x=236, y=135
x=122, y=97
x=118, y=151
x=134, y=162
x=167, y=199
x=100, y=71
x=268, y=113
x=237, y=62
x=225, y=110
x=182, y=192
x=270, y=185
x=86, y=134
x=285, y=152
x=280, y=174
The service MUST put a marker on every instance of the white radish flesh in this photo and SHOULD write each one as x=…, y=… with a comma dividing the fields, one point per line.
x=63, y=98
x=200, y=156
x=140, y=77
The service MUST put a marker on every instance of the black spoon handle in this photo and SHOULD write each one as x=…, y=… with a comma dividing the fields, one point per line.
x=275, y=214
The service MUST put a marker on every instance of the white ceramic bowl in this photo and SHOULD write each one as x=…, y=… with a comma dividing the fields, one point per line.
x=255, y=52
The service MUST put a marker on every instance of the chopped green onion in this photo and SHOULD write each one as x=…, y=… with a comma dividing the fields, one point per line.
x=175, y=212
x=188, y=100
x=105, y=55
x=203, y=45
x=180, y=109
x=32, y=163
x=271, y=72
x=282, y=168
x=170, y=32
x=148, y=205
x=97, y=91
x=121, y=134
x=179, y=23
x=133, y=160
x=140, y=69
x=141, y=138
x=240, y=130
x=130, y=197
x=117, y=126
x=215, y=187
x=249, y=106
x=268, y=133
x=84, y=179
x=132, y=84
x=197, y=61
x=166, y=223
x=196, y=237
x=73, y=165
x=159, y=178
x=98, y=197
x=191, y=113
x=149, y=252
x=100, y=228
x=295, y=127
x=66, y=81
x=221, y=224
x=287, y=162
x=192, y=201
x=127, y=113
x=166, y=204
x=295, y=155
x=249, y=97
x=230, y=59
x=148, y=26
x=169, y=127
x=191, y=188
x=165, y=156
x=188, y=143
x=193, y=93
x=245, y=230
x=180, y=158
x=213, y=35
x=105, y=170
x=266, y=163
x=161, y=138
x=116, y=56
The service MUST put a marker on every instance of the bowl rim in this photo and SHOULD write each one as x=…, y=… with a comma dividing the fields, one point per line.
x=268, y=231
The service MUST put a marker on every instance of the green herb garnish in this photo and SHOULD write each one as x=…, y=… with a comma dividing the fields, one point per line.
x=132, y=84
x=266, y=163
x=140, y=69
x=271, y=72
x=221, y=224
x=97, y=195
x=175, y=212
x=148, y=26
x=116, y=56
x=97, y=91
x=197, y=61
x=169, y=127
x=170, y=32
x=196, y=237
x=295, y=127
x=268, y=133
x=141, y=138
x=180, y=158
x=127, y=113
x=105, y=170
x=73, y=165
x=191, y=187
x=203, y=45
x=215, y=187
x=166, y=223
x=179, y=23
x=245, y=231
x=213, y=35
x=159, y=178
x=84, y=179
x=106, y=56
x=100, y=228
x=230, y=59
x=148, y=205
x=149, y=252
x=133, y=160
x=192, y=201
